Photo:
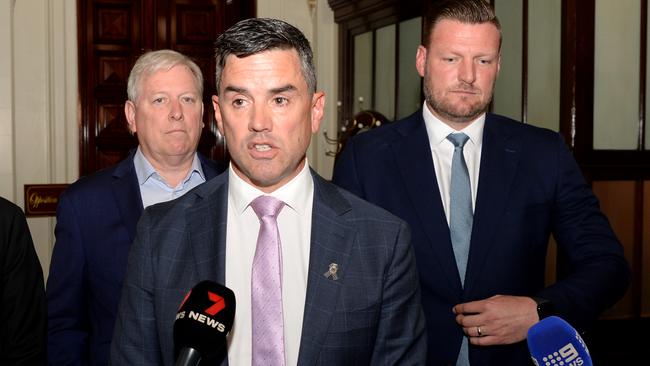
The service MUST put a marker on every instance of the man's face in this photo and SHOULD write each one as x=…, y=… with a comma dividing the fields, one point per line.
x=459, y=66
x=267, y=115
x=167, y=115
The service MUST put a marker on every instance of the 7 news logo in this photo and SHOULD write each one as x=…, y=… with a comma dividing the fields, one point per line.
x=217, y=304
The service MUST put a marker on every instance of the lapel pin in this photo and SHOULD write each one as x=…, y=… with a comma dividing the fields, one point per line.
x=331, y=272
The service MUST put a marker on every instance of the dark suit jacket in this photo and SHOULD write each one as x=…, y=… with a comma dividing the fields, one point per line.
x=370, y=315
x=529, y=186
x=22, y=294
x=96, y=221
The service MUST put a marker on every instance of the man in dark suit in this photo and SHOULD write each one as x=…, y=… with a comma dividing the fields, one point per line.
x=348, y=288
x=22, y=294
x=97, y=215
x=482, y=213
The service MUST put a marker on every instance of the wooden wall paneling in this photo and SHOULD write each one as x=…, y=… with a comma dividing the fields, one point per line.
x=356, y=17
x=576, y=109
x=614, y=172
x=191, y=27
x=618, y=202
x=576, y=83
x=642, y=72
x=148, y=25
x=112, y=34
x=551, y=262
x=645, y=262
x=108, y=31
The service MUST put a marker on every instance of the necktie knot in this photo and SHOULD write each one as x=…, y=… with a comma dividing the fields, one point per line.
x=458, y=139
x=265, y=206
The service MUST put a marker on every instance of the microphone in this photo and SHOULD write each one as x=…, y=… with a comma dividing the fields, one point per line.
x=202, y=323
x=553, y=342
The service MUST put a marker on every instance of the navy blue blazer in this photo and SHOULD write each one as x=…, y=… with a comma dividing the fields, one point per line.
x=96, y=221
x=370, y=315
x=529, y=187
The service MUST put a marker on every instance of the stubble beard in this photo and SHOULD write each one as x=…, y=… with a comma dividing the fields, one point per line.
x=451, y=112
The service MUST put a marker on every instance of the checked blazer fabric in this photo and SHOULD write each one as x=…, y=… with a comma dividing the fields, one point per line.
x=370, y=315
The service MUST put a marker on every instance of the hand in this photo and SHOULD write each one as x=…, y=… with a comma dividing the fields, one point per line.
x=497, y=320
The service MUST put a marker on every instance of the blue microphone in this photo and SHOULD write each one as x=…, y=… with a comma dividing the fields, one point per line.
x=553, y=342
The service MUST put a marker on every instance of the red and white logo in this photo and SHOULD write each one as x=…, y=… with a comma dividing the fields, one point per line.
x=218, y=304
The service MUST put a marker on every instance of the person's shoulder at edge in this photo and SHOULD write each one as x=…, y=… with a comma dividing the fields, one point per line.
x=218, y=166
x=9, y=211
x=360, y=209
x=92, y=182
x=498, y=121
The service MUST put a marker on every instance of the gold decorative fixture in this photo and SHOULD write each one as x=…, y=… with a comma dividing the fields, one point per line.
x=312, y=4
x=361, y=122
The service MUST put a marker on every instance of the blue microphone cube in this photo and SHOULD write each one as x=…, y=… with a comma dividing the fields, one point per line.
x=553, y=342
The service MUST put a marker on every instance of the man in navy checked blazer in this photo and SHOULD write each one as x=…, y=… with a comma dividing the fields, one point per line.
x=267, y=107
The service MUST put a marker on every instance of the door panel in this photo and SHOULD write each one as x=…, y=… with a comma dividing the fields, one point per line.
x=112, y=34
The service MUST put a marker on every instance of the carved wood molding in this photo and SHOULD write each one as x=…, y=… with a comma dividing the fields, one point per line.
x=346, y=10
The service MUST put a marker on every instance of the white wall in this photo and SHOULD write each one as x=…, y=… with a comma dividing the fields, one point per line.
x=317, y=23
x=38, y=103
x=6, y=103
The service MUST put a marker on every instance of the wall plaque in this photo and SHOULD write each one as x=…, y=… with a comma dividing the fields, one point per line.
x=42, y=199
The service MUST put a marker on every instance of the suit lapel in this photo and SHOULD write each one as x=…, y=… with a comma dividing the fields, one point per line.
x=499, y=158
x=415, y=164
x=207, y=221
x=332, y=239
x=210, y=168
x=127, y=194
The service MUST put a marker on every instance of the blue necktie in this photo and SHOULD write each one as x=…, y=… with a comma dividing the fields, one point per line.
x=460, y=218
x=460, y=204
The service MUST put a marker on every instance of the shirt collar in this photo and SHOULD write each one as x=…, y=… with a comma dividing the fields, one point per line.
x=438, y=130
x=295, y=193
x=144, y=170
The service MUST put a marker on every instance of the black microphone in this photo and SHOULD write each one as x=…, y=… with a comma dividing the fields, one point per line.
x=202, y=323
x=553, y=342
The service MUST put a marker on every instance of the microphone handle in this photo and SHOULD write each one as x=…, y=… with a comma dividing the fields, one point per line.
x=188, y=357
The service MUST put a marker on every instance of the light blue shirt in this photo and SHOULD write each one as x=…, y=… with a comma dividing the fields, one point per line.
x=154, y=189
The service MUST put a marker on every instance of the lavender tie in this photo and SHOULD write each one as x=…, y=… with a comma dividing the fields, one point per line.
x=266, y=286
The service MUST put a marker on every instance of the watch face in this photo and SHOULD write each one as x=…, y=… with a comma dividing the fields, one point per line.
x=544, y=308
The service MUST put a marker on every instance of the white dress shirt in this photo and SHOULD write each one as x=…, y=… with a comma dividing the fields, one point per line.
x=442, y=151
x=153, y=187
x=294, y=224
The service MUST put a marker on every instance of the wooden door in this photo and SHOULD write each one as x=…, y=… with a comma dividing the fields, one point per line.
x=112, y=34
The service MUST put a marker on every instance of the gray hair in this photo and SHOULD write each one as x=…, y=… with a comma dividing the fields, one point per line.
x=464, y=11
x=154, y=61
x=255, y=35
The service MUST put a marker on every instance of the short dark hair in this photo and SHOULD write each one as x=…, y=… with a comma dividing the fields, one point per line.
x=255, y=35
x=464, y=11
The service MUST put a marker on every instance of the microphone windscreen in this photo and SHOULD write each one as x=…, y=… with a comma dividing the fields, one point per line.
x=204, y=319
x=552, y=341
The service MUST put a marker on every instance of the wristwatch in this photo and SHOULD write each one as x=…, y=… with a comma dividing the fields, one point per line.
x=545, y=307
